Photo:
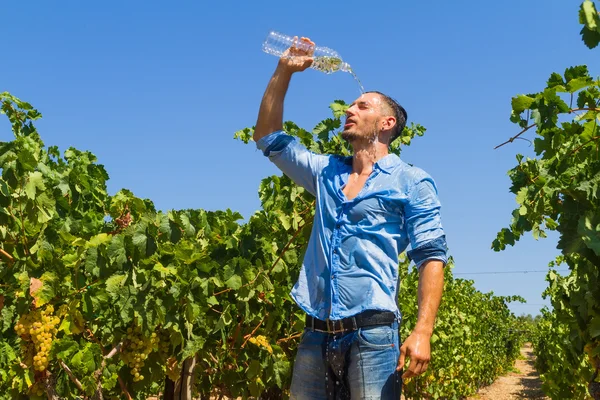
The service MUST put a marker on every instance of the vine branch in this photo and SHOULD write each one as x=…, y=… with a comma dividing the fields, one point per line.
x=124, y=389
x=286, y=339
x=247, y=337
x=114, y=351
x=583, y=145
x=71, y=376
x=583, y=109
x=8, y=256
x=512, y=139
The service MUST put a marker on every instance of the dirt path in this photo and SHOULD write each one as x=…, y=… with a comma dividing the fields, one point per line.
x=525, y=384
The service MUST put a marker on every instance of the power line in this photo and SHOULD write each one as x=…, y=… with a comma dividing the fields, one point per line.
x=509, y=272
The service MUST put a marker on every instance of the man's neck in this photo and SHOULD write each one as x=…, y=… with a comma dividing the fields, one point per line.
x=366, y=156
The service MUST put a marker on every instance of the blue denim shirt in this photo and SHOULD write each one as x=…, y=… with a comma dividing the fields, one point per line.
x=351, y=263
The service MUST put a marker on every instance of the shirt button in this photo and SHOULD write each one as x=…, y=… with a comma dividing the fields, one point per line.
x=333, y=276
x=334, y=251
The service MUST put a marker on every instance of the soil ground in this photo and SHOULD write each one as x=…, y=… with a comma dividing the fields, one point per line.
x=524, y=383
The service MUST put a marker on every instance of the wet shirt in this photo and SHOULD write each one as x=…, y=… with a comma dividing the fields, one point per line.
x=351, y=262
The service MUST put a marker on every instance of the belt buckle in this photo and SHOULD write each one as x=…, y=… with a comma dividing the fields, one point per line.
x=332, y=328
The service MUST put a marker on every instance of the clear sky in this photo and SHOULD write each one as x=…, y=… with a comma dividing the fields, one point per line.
x=157, y=89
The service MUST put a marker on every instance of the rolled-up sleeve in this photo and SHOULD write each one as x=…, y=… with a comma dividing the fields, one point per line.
x=293, y=159
x=423, y=222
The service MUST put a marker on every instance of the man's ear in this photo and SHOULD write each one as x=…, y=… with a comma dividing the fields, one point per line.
x=388, y=123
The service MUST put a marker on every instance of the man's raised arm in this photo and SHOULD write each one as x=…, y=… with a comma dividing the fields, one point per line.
x=270, y=115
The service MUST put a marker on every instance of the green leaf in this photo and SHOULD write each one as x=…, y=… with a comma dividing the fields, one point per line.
x=325, y=127
x=245, y=135
x=281, y=369
x=235, y=282
x=139, y=240
x=556, y=80
x=589, y=15
x=589, y=130
x=115, y=283
x=7, y=354
x=116, y=250
x=64, y=348
x=591, y=38
x=46, y=207
x=594, y=327
x=577, y=72
x=253, y=369
x=35, y=183
x=4, y=194
x=192, y=311
x=521, y=103
x=193, y=346
x=578, y=84
x=522, y=195
x=339, y=108
x=98, y=240
x=589, y=229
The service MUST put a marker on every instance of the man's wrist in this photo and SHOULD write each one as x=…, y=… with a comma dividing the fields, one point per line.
x=283, y=71
x=423, y=330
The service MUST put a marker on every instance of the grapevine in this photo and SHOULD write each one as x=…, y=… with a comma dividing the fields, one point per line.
x=558, y=190
x=179, y=294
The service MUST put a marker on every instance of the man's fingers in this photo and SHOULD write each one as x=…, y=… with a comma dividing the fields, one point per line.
x=414, y=367
x=402, y=358
x=421, y=367
x=417, y=366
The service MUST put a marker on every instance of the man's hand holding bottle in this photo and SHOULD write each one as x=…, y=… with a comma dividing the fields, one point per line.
x=298, y=57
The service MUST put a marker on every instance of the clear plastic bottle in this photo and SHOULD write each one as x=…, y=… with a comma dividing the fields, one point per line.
x=325, y=59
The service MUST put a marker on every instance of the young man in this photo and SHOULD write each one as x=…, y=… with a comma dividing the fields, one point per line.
x=369, y=207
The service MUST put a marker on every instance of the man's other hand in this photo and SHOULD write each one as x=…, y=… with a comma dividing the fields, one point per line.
x=418, y=349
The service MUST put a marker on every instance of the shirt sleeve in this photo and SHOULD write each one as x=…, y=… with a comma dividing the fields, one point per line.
x=293, y=159
x=423, y=222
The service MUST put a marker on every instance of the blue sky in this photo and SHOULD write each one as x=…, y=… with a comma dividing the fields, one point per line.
x=157, y=89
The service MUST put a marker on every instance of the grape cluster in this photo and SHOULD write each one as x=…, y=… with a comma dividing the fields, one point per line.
x=173, y=369
x=124, y=220
x=39, y=327
x=164, y=343
x=261, y=341
x=136, y=350
x=37, y=389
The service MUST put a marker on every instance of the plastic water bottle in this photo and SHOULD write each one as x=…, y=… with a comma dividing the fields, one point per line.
x=325, y=59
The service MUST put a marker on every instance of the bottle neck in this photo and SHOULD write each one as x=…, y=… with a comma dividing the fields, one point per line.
x=344, y=66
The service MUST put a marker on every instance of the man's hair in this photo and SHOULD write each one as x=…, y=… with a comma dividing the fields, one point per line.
x=398, y=112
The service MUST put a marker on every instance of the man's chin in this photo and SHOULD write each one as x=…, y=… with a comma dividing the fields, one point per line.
x=350, y=136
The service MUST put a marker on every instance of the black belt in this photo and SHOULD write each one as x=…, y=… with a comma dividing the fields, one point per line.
x=366, y=318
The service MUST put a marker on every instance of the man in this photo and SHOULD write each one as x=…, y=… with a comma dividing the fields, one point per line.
x=369, y=207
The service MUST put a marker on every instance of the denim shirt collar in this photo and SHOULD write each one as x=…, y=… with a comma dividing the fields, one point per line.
x=386, y=164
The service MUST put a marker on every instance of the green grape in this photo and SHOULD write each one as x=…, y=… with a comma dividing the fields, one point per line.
x=37, y=327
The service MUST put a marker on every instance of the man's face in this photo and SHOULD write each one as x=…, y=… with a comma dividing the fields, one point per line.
x=362, y=118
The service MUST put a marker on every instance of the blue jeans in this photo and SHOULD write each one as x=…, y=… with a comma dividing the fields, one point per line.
x=354, y=365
